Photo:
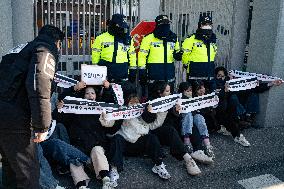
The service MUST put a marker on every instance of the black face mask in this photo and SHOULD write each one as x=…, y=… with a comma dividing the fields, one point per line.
x=117, y=31
x=220, y=83
x=204, y=33
x=162, y=31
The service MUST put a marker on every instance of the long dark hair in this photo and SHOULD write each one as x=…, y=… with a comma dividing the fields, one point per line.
x=158, y=88
x=196, y=85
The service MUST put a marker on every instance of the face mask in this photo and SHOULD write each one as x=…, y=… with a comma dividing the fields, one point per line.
x=206, y=27
x=188, y=94
x=162, y=31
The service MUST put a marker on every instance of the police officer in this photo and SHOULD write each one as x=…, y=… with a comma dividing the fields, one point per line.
x=25, y=89
x=157, y=53
x=115, y=49
x=200, y=50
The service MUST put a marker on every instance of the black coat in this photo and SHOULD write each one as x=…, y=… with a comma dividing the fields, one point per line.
x=25, y=87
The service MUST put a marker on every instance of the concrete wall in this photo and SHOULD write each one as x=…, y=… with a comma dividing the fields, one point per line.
x=6, y=40
x=240, y=23
x=266, y=56
x=16, y=23
x=22, y=21
x=149, y=9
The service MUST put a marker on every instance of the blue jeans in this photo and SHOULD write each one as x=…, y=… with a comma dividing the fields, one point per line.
x=198, y=120
x=46, y=179
x=60, y=132
x=63, y=153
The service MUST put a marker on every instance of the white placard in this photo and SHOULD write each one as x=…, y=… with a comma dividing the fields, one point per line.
x=93, y=74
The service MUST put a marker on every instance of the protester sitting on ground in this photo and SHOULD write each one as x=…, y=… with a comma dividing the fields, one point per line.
x=134, y=139
x=187, y=122
x=228, y=108
x=250, y=101
x=167, y=133
x=208, y=114
x=87, y=132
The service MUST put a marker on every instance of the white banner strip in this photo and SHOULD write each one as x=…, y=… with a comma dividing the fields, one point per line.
x=118, y=93
x=243, y=83
x=261, y=77
x=64, y=81
x=164, y=103
x=197, y=103
x=126, y=112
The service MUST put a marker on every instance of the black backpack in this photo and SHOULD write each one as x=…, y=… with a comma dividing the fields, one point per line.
x=13, y=71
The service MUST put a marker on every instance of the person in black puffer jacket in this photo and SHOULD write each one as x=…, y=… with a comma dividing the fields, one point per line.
x=26, y=74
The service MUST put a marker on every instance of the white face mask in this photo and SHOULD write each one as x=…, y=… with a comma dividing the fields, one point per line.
x=188, y=94
x=206, y=27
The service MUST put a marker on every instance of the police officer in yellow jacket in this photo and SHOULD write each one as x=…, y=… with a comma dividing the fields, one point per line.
x=115, y=50
x=157, y=53
x=199, y=50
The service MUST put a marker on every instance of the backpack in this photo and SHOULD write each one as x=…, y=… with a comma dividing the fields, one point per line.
x=13, y=71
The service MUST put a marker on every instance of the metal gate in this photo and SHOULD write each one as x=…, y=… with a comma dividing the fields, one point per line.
x=81, y=21
x=185, y=15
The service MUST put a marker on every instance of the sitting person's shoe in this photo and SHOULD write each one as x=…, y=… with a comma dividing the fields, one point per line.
x=83, y=187
x=201, y=157
x=188, y=149
x=223, y=131
x=114, y=176
x=242, y=140
x=106, y=183
x=192, y=167
x=161, y=171
x=209, y=151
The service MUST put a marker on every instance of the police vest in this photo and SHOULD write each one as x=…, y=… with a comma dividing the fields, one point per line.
x=195, y=51
x=113, y=54
x=156, y=56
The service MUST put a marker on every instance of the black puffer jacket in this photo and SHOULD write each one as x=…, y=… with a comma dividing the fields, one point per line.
x=25, y=87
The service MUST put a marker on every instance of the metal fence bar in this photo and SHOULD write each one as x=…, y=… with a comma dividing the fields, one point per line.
x=84, y=30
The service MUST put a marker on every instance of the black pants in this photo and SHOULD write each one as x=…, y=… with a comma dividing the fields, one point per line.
x=169, y=136
x=20, y=161
x=225, y=115
x=148, y=144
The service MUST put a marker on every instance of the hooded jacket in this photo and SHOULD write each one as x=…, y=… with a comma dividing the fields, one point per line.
x=25, y=86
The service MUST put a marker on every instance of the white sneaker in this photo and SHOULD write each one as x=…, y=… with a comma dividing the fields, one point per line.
x=224, y=131
x=59, y=187
x=192, y=168
x=83, y=187
x=114, y=176
x=201, y=157
x=106, y=183
x=161, y=171
x=242, y=140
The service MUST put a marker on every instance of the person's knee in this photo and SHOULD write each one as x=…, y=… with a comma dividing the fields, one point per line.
x=97, y=149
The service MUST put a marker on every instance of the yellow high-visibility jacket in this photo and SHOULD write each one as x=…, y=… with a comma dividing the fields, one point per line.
x=196, y=51
x=115, y=55
x=157, y=57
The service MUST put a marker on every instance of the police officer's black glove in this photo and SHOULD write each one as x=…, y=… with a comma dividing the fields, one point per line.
x=178, y=55
x=132, y=75
x=143, y=76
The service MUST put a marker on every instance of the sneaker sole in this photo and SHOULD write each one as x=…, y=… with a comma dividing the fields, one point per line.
x=155, y=171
